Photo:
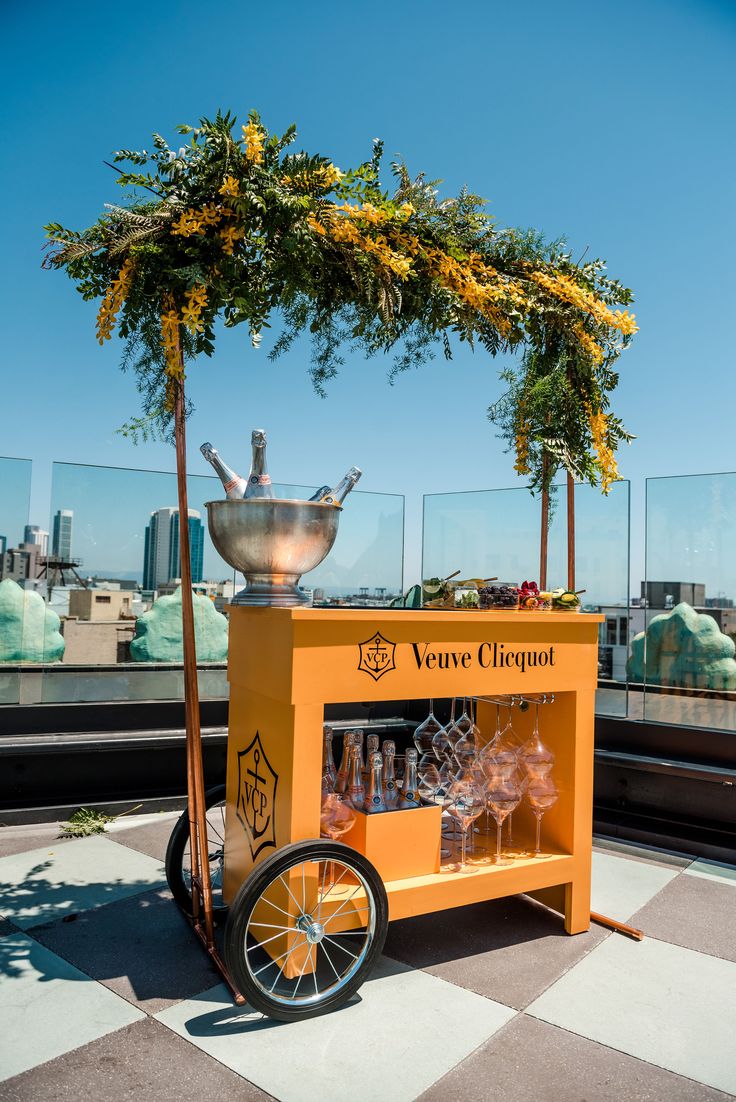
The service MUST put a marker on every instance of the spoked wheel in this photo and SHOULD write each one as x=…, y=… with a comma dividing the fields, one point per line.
x=305, y=929
x=179, y=860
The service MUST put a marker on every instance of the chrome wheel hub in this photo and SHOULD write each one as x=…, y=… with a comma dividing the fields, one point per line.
x=314, y=931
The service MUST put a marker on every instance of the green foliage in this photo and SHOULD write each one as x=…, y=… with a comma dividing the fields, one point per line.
x=242, y=229
x=86, y=821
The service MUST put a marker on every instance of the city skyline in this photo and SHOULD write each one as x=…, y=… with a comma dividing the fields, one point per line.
x=161, y=556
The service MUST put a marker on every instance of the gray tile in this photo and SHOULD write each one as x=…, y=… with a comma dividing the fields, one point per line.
x=508, y=949
x=48, y=1007
x=407, y=1027
x=144, y=1062
x=43, y=885
x=142, y=948
x=695, y=912
x=661, y=1003
x=20, y=839
x=714, y=870
x=146, y=833
x=621, y=887
x=531, y=1061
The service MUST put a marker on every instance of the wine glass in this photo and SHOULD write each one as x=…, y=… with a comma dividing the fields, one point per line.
x=337, y=816
x=425, y=732
x=465, y=802
x=541, y=794
x=453, y=731
x=537, y=759
x=502, y=797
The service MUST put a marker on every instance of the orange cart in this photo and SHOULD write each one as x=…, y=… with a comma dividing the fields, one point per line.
x=307, y=916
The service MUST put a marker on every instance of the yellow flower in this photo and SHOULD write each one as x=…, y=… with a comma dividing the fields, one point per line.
x=114, y=298
x=254, y=139
x=229, y=236
x=230, y=186
x=170, y=344
x=591, y=346
x=196, y=301
x=605, y=459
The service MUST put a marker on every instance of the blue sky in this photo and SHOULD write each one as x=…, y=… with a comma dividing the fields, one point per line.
x=610, y=124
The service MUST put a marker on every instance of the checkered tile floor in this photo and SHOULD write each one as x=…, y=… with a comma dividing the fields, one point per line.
x=105, y=993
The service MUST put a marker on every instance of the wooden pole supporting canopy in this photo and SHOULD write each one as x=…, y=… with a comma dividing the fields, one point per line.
x=570, y=532
x=544, y=528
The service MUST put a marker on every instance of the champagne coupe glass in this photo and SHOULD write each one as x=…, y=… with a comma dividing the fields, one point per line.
x=337, y=816
x=465, y=802
x=502, y=797
x=541, y=794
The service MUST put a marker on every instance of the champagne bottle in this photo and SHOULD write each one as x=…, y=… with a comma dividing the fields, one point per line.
x=328, y=759
x=390, y=788
x=358, y=736
x=409, y=796
x=235, y=485
x=374, y=801
x=341, y=783
x=321, y=492
x=259, y=480
x=337, y=495
x=371, y=748
x=356, y=788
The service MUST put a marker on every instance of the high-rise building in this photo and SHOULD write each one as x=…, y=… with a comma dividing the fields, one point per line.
x=61, y=539
x=3, y=544
x=161, y=562
x=33, y=534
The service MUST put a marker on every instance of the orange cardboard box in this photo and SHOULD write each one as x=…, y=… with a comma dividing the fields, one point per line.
x=400, y=844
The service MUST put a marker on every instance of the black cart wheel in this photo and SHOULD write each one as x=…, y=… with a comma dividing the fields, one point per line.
x=178, y=855
x=331, y=963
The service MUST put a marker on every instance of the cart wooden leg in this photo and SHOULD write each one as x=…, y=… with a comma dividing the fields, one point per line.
x=572, y=901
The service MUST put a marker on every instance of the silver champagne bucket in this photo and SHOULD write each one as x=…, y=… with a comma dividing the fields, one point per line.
x=272, y=542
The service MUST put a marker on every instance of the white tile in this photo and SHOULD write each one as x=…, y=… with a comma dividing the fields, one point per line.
x=713, y=870
x=404, y=1032
x=664, y=1004
x=43, y=884
x=48, y=1007
x=620, y=887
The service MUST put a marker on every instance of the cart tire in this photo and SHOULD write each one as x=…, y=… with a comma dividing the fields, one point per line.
x=341, y=967
x=178, y=864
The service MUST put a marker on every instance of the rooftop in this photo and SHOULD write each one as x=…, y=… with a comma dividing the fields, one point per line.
x=108, y=994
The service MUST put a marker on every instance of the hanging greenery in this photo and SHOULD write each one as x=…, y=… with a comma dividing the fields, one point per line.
x=232, y=226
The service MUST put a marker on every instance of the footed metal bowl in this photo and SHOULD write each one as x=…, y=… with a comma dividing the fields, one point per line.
x=272, y=542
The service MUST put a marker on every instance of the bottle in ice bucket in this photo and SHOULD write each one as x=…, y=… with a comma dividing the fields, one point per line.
x=259, y=480
x=356, y=788
x=409, y=795
x=343, y=488
x=374, y=801
x=235, y=485
x=322, y=492
x=390, y=787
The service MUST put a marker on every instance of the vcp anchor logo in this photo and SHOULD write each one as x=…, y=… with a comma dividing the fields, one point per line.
x=377, y=656
x=256, y=805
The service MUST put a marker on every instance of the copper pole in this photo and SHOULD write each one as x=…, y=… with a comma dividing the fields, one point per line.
x=570, y=532
x=195, y=770
x=544, y=533
x=620, y=927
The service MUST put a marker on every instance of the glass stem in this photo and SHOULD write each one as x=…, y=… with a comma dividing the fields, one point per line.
x=537, y=849
x=498, y=840
x=462, y=848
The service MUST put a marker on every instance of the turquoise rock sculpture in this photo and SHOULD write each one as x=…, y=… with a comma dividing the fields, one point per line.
x=29, y=631
x=158, y=636
x=686, y=648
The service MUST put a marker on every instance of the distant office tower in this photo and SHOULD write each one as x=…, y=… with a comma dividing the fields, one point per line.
x=3, y=544
x=61, y=539
x=33, y=534
x=161, y=561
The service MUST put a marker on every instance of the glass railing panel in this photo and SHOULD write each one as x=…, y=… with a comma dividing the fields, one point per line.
x=17, y=568
x=683, y=652
x=487, y=533
x=112, y=622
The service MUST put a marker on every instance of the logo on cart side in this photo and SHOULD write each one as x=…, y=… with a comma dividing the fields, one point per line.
x=256, y=806
x=377, y=656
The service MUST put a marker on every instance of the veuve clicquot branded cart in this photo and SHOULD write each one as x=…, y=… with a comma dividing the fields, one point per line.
x=306, y=916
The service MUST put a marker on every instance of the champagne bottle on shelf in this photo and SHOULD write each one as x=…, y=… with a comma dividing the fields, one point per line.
x=259, y=480
x=234, y=484
x=356, y=788
x=341, y=782
x=337, y=495
x=409, y=795
x=328, y=759
x=374, y=801
x=358, y=736
x=390, y=788
x=370, y=750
